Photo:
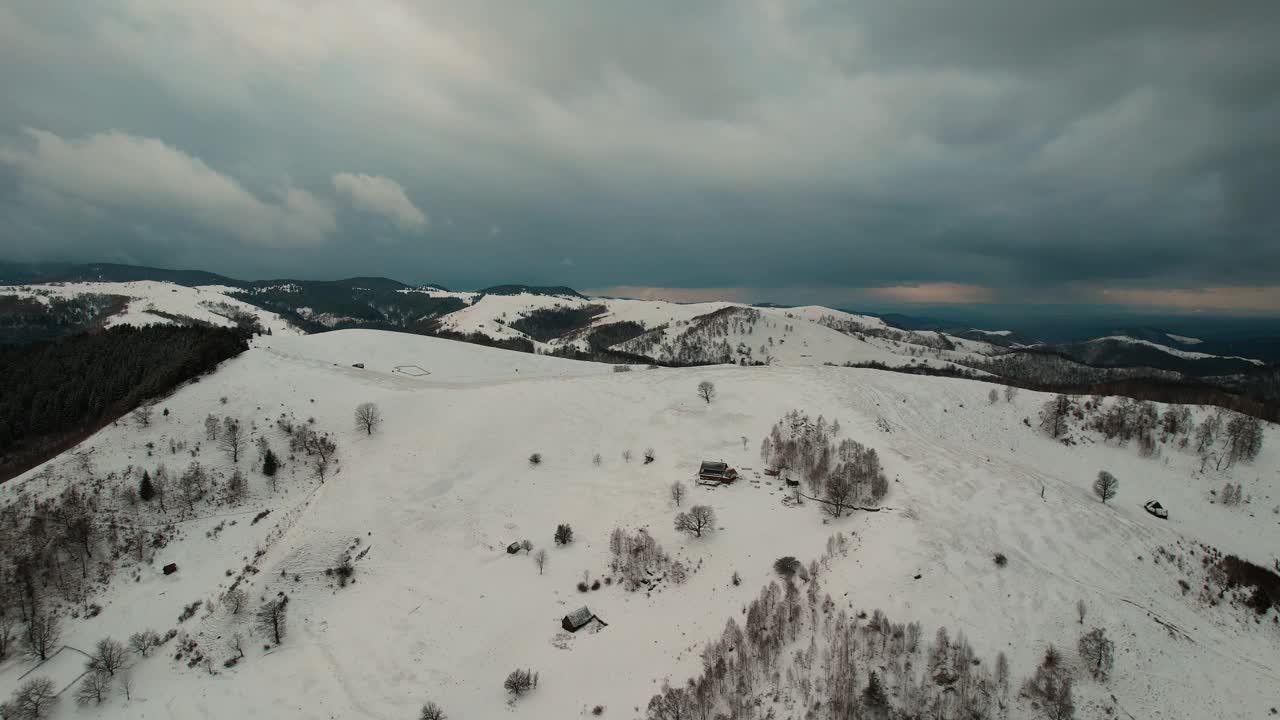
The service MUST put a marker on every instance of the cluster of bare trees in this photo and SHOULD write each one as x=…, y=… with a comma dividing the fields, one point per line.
x=319, y=448
x=637, y=557
x=843, y=475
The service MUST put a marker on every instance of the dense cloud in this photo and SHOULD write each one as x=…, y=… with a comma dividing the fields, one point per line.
x=1039, y=149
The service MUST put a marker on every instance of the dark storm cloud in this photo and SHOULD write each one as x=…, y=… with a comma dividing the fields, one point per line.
x=1023, y=146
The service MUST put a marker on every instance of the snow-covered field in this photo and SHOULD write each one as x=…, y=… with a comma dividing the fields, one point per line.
x=439, y=610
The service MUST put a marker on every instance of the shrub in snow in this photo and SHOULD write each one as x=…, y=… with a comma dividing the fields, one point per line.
x=535, y=459
x=1000, y=559
x=520, y=681
x=431, y=711
x=785, y=566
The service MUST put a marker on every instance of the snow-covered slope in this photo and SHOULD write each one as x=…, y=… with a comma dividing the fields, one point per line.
x=150, y=301
x=1176, y=352
x=439, y=610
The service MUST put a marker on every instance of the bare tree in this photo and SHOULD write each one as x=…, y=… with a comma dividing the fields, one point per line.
x=211, y=427
x=1010, y=392
x=32, y=700
x=144, y=641
x=95, y=686
x=1054, y=415
x=596, y=459
x=1080, y=610
x=7, y=623
x=1105, y=486
x=232, y=439
x=520, y=681
x=1098, y=653
x=143, y=414
x=272, y=617
x=368, y=417
x=125, y=681
x=540, y=559
x=677, y=492
x=707, y=390
x=193, y=485
x=1244, y=439
x=626, y=455
x=108, y=656
x=235, y=489
x=671, y=704
x=234, y=600
x=236, y=645
x=699, y=519
x=432, y=711
x=43, y=632
x=838, y=489
x=992, y=396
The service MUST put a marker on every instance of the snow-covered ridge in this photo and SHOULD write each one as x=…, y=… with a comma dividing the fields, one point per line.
x=1176, y=352
x=150, y=301
x=1184, y=339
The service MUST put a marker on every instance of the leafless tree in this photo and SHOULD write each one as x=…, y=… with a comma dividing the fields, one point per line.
x=193, y=485
x=32, y=700
x=232, y=439
x=596, y=460
x=648, y=455
x=1105, y=486
x=108, y=656
x=7, y=623
x=234, y=600
x=1098, y=653
x=95, y=686
x=211, y=427
x=838, y=490
x=1244, y=439
x=235, y=489
x=144, y=641
x=142, y=415
x=44, y=630
x=671, y=704
x=1054, y=416
x=992, y=396
x=236, y=645
x=626, y=455
x=1080, y=611
x=368, y=417
x=432, y=711
x=272, y=617
x=699, y=519
x=1010, y=392
x=707, y=390
x=520, y=681
x=540, y=559
x=125, y=680
x=677, y=492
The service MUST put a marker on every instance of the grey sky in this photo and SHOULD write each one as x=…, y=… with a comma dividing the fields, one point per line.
x=1036, y=150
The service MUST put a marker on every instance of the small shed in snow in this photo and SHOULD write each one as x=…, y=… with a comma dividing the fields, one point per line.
x=580, y=618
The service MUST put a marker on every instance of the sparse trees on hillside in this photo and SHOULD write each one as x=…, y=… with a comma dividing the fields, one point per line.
x=1244, y=439
x=272, y=617
x=699, y=519
x=368, y=417
x=707, y=390
x=232, y=438
x=1105, y=486
x=677, y=492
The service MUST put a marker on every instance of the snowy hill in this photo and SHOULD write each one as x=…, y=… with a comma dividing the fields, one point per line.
x=424, y=508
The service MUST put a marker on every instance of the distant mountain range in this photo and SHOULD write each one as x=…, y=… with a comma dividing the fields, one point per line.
x=48, y=300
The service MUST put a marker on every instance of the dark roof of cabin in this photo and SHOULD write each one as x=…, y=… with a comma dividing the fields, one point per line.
x=708, y=466
x=580, y=617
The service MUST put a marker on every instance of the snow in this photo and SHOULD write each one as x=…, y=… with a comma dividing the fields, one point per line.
x=1187, y=354
x=1001, y=333
x=144, y=295
x=1184, y=339
x=440, y=611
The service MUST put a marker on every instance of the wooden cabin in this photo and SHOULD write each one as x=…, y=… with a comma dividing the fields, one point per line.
x=580, y=618
x=716, y=473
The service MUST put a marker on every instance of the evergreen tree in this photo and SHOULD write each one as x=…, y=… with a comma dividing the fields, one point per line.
x=270, y=463
x=146, y=490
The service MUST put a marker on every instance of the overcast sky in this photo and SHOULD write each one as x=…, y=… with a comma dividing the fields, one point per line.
x=978, y=151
